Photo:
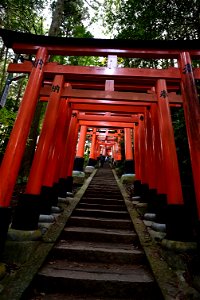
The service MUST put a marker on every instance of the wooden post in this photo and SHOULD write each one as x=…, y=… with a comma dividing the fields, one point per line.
x=150, y=158
x=158, y=152
x=79, y=160
x=192, y=118
x=171, y=169
x=136, y=151
x=17, y=142
x=70, y=147
x=142, y=150
x=129, y=164
x=94, y=149
x=35, y=179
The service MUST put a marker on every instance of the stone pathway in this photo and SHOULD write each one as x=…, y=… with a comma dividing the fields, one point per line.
x=98, y=255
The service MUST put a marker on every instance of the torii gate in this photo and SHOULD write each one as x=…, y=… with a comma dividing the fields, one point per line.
x=148, y=92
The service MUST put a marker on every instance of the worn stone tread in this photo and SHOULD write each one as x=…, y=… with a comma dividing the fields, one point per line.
x=96, y=271
x=100, y=222
x=112, y=207
x=100, y=230
x=101, y=213
x=69, y=296
x=93, y=246
x=102, y=200
x=99, y=234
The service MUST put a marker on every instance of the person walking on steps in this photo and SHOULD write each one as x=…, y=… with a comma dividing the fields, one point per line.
x=102, y=160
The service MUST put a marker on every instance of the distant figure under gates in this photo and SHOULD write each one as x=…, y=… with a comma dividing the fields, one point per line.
x=102, y=160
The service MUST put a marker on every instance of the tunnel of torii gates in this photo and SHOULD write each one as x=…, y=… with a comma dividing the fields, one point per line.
x=120, y=100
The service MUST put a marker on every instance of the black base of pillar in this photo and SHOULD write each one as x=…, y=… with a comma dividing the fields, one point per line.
x=49, y=198
x=129, y=166
x=179, y=223
x=65, y=185
x=158, y=206
x=144, y=192
x=26, y=214
x=78, y=164
x=5, y=219
x=152, y=193
x=69, y=184
x=92, y=162
x=55, y=194
x=137, y=188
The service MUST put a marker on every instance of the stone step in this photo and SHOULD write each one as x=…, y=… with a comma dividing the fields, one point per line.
x=98, y=252
x=103, y=190
x=67, y=295
x=101, y=200
x=97, y=279
x=101, y=183
x=100, y=222
x=99, y=188
x=101, y=213
x=99, y=235
x=119, y=207
x=103, y=195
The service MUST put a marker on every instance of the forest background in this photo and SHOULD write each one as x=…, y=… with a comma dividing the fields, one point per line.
x=119, y=19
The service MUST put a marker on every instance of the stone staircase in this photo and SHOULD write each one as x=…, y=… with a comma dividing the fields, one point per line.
x=98, y=255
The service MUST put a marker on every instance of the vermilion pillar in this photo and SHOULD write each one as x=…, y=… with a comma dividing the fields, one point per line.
x=66, y=117
x=150, y=158
x=170, y=163
x=31, y=204
x=62, y=151
x=55, y=148
x=115, y=151
x=192, y=118
x=97, y=151
x=119, y=154
x=79, y=160
x=50, y=186
x=129, y=167
x=142, y=151
x=36, y=178
x=141, y=182
x=17, y=142
x=72, y=153
x=158, y=152
x=68, y=159
x=92, y=159
x=136, y=151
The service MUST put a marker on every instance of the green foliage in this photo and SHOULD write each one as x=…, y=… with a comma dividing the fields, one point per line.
x=22, y=15
x=7, y=118
x=150, y=19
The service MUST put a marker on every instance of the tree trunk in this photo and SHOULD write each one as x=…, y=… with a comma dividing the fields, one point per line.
x=57, y=18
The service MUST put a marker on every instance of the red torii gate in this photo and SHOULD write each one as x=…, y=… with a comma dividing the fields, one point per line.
x=154, y=121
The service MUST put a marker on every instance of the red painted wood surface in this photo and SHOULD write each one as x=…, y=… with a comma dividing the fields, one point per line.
x=107, y=124
x=191, y=106
x=136, y=151
x=142, y=151
x=17, y=142
x=128, y=144
x=150, y=158
x=39, y=163
x=70, y=147
x=93, y=144
x=171, y=169
x=54, y=161
x=158, y=152
x=81, y=142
